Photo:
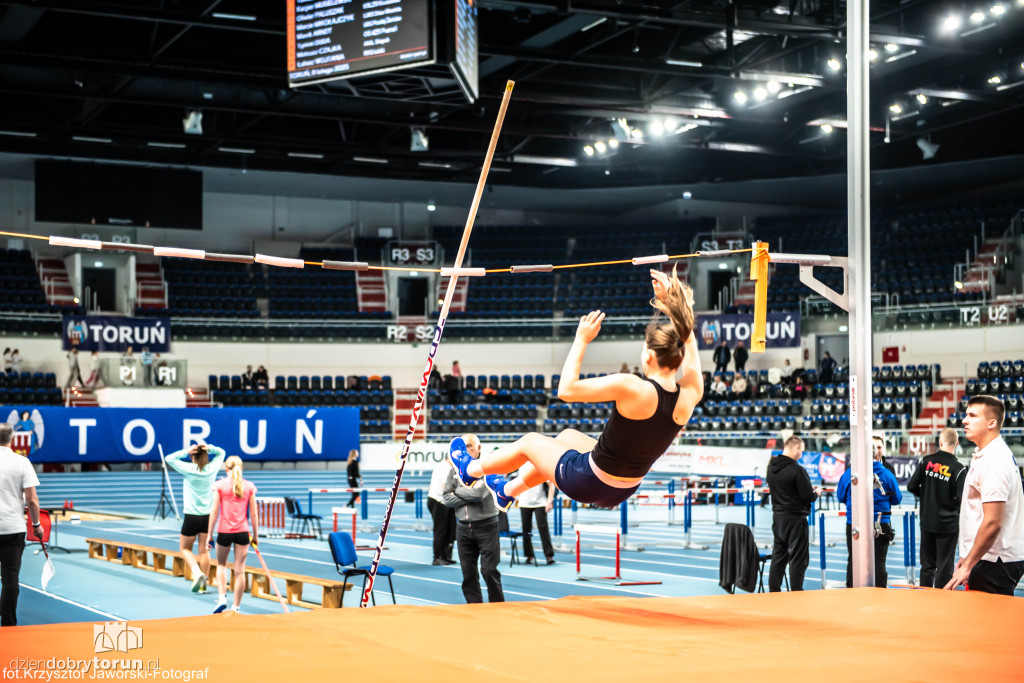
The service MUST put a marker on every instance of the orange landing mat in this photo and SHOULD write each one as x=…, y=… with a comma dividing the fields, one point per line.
x=859, y=635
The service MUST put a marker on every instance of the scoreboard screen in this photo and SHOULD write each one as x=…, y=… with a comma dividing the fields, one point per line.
x=465, y=63
x=333, y=39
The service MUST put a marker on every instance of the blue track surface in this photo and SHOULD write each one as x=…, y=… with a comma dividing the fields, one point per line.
x=93, y=590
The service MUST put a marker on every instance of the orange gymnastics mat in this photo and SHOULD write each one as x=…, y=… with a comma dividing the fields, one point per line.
x=859, y=635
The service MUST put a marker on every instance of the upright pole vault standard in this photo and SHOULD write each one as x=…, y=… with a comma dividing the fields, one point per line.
x=442, y=318
x=858, y=170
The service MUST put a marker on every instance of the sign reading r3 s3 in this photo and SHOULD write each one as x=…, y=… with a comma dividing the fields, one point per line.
x=412, y=253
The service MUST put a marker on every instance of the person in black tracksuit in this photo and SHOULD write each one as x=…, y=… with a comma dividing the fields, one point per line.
x=939, y=483
x=792, y=495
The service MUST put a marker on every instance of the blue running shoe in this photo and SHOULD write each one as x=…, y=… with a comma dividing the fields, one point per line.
x=496, y=484
x=460, y=459
x=222, y=605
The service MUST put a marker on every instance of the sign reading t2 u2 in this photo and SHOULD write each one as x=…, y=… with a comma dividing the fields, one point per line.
x=132, y=434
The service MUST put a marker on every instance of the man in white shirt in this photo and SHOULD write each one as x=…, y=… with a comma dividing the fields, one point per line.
x=992, y=507
x=18, y=484
x=442, y=515
x=537, y=502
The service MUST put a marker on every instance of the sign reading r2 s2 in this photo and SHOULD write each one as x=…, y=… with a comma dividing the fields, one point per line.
x=134, y=434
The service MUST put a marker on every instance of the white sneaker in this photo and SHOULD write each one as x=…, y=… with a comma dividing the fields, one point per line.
x=237, y=609
x=222, y=605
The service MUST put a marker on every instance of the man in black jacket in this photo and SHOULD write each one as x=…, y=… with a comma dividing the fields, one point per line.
x=792, y=495
x=739, y=357
x=938, y=482
x=722, y=357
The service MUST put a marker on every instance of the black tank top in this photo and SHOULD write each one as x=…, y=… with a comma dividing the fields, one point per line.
x=628, y=448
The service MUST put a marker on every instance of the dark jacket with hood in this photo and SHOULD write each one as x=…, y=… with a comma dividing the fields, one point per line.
x=792, y=493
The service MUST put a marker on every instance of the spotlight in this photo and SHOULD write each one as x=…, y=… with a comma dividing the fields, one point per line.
x=892, y=47
x=613, y=143
x=951, y=23
x=895, y=109
x=600, y=147
x=431, y=206
x=773, y=87
x=958, y=284
x=588, y=150
x=873, y=55
x=923, y=99
x=826, y=128
x=928, y=148
x=687, y=195
x=637, y=133
x=657, y=128
x=977, y=17
x=760, y=94
x=740, y=97
x=995, y=80
x=834, y=64
x=997, y=10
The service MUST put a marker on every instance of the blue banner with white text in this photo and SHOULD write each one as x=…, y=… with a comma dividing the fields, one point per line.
x=133, y=434
x=113, y=333
x=783, y=330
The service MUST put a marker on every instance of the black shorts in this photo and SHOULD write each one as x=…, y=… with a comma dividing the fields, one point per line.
x=237, y=538
x=193, y=525
x=575, y=478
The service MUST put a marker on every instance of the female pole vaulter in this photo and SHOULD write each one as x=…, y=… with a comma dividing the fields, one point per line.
x=648, y=414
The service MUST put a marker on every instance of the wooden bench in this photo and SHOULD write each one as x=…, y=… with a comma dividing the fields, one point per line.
x=138, y=555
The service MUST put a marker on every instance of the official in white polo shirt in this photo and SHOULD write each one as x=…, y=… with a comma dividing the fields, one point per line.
x=18, y=484
x=992, y=508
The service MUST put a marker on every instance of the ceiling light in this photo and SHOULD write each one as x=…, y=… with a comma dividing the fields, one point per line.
x=236, y=150
x=684, y=62
x=637, y=133
x=656, y=128
x=238, y=17
x=588, y=150
x=826, y=128
x=740, y=97
x=97, y=264
x=435, y=164
x=305, y=155
x=166, y=145
x=892, y=47
x=600, y=147
x=613, y=143
x=773, y=87
x=834, y=64
x=593, y=24
x=927, y=147
x=895, y=109
x=958, y=284
x=544, y=161
x=923, y=99
x=85, y=138
x=977, y=17
x=370, y=160
x=873, y=55
x=17, y=134
x=723, y=266
x=997, y=9
x=192, y=124
x=431, y=206
x=687, y=195
x=995, y=80
x=951, y=23
x=760, y=94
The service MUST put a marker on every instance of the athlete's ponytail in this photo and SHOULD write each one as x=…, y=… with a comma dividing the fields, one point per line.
x=234, y=468
x=667, y=340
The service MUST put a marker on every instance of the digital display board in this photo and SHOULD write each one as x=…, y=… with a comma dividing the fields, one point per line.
x=333, y=39
x=466, y=61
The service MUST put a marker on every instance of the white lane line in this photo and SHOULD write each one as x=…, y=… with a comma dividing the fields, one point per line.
x=108, y=615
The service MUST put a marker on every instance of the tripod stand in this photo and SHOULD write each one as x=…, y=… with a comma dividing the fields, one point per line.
x=166, y=503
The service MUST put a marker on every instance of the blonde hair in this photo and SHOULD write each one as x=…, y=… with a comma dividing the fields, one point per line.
x=352, y=455
x=234, y=467
x=667, y=340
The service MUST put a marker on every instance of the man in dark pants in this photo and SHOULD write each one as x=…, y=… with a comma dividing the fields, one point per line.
x=792, y=495
x=476, y=532
x=992, y=509
x=739, y=357
x=939, y=482
x=18, y=484
x=442, y=515
x=722, y=357
x=828, y=366
x=537, y=501
x=886, y=494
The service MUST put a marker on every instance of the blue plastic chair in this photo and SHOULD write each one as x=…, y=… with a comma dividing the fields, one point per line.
x=343, y=550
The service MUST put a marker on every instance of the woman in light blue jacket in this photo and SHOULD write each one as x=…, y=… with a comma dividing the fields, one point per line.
x=199, y=466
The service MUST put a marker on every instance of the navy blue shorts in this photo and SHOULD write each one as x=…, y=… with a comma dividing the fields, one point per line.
x=575, y=478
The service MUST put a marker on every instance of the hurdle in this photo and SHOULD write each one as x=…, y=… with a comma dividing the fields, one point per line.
x=353, y=512
x=363, y=504
x=272, y=517
x=909, y=544
x=617, y=578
